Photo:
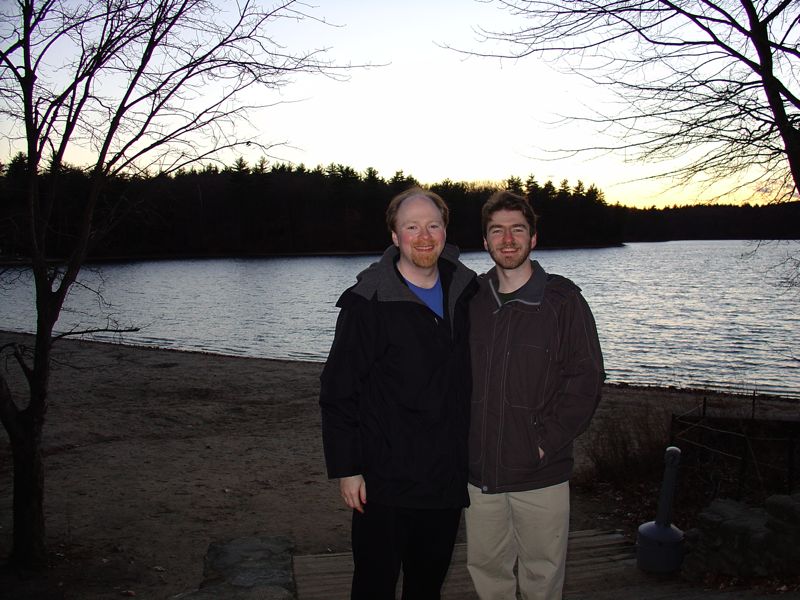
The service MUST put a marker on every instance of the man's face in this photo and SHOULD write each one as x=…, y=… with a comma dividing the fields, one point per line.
x=508, y=239
x=419, y=232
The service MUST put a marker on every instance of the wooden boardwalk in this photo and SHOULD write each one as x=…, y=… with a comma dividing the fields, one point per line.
x=601, y=565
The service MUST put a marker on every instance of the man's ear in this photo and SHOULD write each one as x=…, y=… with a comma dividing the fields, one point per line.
x=485, y=245
x=533, y=241
x=394, y=239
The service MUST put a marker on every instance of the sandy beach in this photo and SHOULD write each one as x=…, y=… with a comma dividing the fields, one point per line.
x=153, y=454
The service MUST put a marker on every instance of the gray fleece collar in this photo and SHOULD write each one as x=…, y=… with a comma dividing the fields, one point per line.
x=381, y=278
x=531, y=293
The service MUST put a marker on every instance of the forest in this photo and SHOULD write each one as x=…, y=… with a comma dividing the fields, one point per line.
x=281, y=209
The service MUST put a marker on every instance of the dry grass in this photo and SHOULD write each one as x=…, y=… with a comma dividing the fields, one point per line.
x=622, y=449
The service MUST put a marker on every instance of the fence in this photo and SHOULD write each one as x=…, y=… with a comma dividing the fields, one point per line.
x=738, y=457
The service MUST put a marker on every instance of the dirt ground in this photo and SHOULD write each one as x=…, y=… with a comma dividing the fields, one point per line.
x=153, y=454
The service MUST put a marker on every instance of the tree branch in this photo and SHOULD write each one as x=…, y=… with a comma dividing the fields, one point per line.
x=709, y=84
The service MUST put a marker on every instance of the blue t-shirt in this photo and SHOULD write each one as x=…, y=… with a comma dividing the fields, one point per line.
x=433, y=297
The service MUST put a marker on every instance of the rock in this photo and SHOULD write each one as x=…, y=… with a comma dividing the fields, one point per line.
x=785, y=508
x=251, y=568
x=737, y=540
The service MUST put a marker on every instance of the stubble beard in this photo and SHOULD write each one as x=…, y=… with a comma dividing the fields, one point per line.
x=509, y=262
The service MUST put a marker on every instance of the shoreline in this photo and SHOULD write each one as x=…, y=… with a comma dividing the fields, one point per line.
x=719, y=392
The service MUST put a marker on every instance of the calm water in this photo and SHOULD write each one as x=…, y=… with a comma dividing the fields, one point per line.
x=688, y=314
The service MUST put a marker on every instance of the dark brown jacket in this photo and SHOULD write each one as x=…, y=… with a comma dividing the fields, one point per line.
x=537, y=372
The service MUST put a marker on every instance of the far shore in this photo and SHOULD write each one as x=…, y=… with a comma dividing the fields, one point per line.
x=15, y=261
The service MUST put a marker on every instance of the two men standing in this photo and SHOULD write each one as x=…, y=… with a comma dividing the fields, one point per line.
x=395, y=401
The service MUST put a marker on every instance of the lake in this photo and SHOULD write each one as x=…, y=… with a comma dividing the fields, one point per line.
x=706, y=314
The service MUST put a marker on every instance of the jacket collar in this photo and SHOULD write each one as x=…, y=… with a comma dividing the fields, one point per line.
x=382, y=278
x=531, y=293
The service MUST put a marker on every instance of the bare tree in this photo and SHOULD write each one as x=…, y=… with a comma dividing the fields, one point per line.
x=135, y=86
x=708, y=89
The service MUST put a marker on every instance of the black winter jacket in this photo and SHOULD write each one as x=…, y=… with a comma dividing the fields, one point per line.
x=396, y=387
x=537, y=374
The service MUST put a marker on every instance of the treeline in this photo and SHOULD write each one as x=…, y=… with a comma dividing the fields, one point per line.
x=281, y=209
x=713, y=222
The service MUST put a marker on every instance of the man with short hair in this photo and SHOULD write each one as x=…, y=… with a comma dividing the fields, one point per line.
x=537, y=371
x=395, y=404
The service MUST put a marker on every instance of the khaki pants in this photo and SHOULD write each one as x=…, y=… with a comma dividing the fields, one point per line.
x=530, y=528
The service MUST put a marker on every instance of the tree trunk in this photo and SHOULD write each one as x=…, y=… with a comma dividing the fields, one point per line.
x=29, y=547
x=772, y=89
x=25, y=435
x=24, y=427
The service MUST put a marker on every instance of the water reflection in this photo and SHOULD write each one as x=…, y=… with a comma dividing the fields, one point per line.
x=690, y=314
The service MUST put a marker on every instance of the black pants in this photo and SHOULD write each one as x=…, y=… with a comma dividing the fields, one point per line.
x=386, y=537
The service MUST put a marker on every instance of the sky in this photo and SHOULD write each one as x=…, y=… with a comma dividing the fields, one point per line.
x=433, y=113
x=437, y=114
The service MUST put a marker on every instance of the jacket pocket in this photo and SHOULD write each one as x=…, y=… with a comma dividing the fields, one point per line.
x=519, y=443
x=527, y=368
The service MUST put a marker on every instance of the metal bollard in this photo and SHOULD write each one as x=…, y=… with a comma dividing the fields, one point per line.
x=659, y=544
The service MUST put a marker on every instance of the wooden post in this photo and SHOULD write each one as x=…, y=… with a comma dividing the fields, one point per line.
x=742, y=468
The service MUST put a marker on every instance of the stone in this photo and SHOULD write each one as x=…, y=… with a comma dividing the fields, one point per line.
x=784, y=508
x=250, y=568
x=734, y=539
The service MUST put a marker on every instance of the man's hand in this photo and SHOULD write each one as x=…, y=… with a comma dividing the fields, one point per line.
x=541, y=453
x=354, y=492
